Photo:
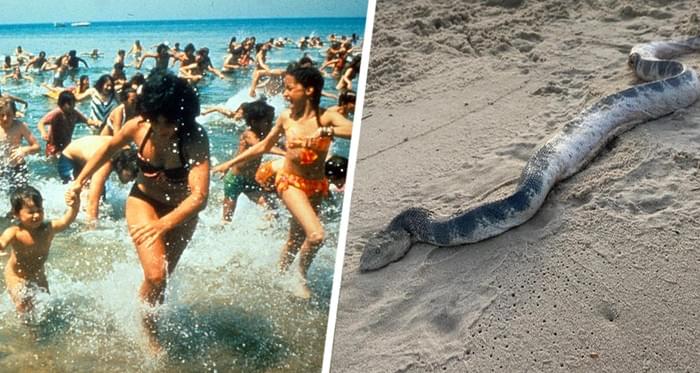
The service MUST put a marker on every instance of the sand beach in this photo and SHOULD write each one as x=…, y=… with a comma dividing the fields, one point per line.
x=604, y=277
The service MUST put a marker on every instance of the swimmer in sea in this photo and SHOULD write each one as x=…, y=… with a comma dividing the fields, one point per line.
x=80, y=91
x=346, y=104
x=353, y=70
x=61, y=122
x=94, y=54
x=118, y=76
x=162, y=57
x=38, y=63
x=196, y=71
x=30, y=241
x=103, y=99
x=74, y=157
x=258, y=116
x=8, y=65
x=17, y=76
x=21, y=55
x=122, y=113
x=61, y=68
x=136, y=50
x=13, y=166
x=301, y=182
x=120, y=57
x=186, y=57
x=274, y=74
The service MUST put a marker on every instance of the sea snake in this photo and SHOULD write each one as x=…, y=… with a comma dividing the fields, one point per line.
x=670, y=85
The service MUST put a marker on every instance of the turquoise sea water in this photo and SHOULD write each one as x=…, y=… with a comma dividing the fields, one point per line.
x=227, y=308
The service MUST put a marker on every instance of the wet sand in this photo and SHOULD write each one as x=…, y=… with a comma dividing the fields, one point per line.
x=604, y=277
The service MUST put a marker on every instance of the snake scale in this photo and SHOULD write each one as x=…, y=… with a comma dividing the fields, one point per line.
x=669, y=85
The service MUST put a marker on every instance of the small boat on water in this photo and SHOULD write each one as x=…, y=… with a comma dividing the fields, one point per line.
x=59, y=24
x=80, y=24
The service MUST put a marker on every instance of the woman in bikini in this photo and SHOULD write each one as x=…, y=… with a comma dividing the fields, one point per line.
x=136, y=50
x=172, y=185
x=301, y=182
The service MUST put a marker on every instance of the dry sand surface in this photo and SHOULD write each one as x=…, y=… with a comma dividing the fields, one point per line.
x=605, y=277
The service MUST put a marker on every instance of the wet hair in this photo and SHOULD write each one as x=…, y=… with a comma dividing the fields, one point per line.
x=305, y=61
x=19, y=196
x=189, y=48
x=308, y=77
x=121, y=51
x=164, y=94
x=66, y=98
x=72, y=53
x=136, y=79
x=259, y=46
x=8, y=102
x=8, y=60
x=162, y=49
x=356, y=61
x=102, y=80
x=258, y=116
x=347, y=97
x=336, y=167
x=42, y=54
x=119, y=66
x=125, y=160
x=124, y=93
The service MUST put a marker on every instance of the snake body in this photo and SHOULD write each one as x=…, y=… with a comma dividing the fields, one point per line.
x=670, y=85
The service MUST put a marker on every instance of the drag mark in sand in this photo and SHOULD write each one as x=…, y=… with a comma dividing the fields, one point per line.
x=446, y=124
x=670, y=86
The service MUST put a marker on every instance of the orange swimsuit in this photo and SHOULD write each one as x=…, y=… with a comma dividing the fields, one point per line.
x=310, y=148
x=307, y=155
x=308, y=186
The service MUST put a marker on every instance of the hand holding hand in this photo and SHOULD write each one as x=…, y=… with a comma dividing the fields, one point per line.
x=74, y=188
x=72, y=197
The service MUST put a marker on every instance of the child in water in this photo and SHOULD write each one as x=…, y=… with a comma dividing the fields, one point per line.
x=30, y=241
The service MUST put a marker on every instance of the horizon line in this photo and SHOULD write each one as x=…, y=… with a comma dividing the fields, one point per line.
x=171, y=20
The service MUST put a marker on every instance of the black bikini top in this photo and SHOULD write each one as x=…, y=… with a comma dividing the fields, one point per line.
x=177, y=174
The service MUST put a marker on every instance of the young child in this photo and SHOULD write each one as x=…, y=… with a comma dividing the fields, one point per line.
x=258, y=116
x=13, y=167
x=30, y=241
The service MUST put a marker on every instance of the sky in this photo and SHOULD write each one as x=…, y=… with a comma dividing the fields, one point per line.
x=49, y=11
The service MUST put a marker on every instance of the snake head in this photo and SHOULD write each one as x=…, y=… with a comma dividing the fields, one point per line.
x=383, y=248
x=632, y=60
